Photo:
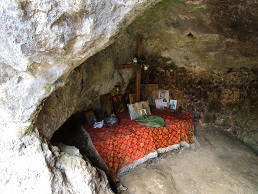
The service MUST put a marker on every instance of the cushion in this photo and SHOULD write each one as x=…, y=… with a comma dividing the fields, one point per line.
x=151, y=121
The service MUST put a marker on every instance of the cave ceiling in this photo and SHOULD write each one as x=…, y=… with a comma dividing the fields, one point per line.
x=201, y=35
x=50, y=39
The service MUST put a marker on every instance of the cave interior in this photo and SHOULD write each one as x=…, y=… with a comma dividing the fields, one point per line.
x=207, y=59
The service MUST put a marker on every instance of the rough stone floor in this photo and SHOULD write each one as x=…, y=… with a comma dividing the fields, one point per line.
x=216, y=163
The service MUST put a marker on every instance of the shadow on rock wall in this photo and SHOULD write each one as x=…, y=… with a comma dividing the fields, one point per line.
x=84, y=85
x=226, y=99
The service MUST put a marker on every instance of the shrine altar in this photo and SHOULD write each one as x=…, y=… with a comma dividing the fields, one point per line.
x=130, y=144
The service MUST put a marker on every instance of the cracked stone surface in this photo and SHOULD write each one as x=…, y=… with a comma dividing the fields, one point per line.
x=217, y=163
x=41, y=43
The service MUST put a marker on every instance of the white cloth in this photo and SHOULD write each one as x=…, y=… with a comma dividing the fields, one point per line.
x=98, y=124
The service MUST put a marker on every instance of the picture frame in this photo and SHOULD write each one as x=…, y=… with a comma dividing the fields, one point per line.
x=164, y=95
x=139, y=109
x=106, y=105
x=145, y=105
x=173, y=104
x=159, y=103
x=118, y=103
x=90, y=117
x=133, y=111
x=143, y=112
x=131, y=98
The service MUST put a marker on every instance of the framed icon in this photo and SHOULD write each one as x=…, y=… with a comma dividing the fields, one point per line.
x=90, y=117
x=173, y=104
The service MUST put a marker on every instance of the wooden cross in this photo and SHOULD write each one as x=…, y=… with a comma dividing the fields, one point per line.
x=138, y=69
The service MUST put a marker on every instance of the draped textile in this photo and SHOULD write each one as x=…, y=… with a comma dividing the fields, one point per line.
x=129, y=144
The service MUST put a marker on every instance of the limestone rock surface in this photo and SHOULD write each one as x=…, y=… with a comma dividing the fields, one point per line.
x=31, y=165
x=40, y=43
x=208, y=57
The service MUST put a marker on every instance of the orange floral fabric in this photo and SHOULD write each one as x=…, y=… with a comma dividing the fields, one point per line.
x=179, y=127
x=128, y=142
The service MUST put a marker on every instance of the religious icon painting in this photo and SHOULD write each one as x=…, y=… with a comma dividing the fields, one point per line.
x=173, y=104
x=145, y=105
x=131, y=98
x=159, y=103
x=164, y=95
x=118, y=103
x=134, y=111
x=106, y=105
x=143, y=113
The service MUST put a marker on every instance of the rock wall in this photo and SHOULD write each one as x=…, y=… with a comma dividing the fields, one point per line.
x=203, y=68
x=191, y=34
x=225, y=99
x=208, y=57
x=41, y=44
x=95, y=77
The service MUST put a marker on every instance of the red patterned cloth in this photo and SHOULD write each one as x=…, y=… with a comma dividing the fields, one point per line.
x=179, y=128
x=129, y=143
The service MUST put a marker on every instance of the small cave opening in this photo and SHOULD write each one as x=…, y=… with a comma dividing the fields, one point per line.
x=72, y=133
x=67, y=132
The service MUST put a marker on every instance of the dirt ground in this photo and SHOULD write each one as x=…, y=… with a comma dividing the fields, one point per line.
x=216, y=163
